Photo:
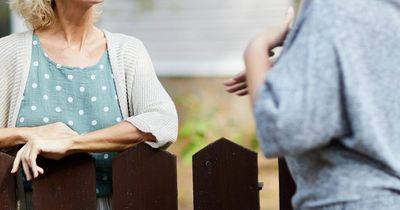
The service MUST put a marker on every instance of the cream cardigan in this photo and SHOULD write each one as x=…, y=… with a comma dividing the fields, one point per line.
x=143, y=100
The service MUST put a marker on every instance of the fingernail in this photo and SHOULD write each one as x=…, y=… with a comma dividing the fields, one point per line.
x=290, y=10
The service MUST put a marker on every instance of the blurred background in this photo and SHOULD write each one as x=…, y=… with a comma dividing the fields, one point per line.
x=195, y=46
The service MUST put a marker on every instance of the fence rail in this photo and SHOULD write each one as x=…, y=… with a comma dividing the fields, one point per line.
x=225, y=177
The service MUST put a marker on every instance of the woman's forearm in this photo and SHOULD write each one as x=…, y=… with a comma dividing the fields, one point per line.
x=116, y=138
x=10, y=137
x=257, y=66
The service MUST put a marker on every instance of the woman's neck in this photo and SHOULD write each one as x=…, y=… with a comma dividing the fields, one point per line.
x=74, y=25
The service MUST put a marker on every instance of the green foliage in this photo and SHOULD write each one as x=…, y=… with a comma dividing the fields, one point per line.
x=194, y=131
x=197, y=125
x=254, y=143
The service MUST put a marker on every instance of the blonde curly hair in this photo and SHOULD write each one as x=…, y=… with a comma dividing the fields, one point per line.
x=39, y=13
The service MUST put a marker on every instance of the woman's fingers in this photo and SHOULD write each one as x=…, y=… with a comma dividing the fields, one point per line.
x=27, y=157
x=20, y=158
x=17, y=162
x=241, y=77
x=41, y=171
x=32, y=161
x=237, y=87
x=243, y=92
x=287, y=23
x=25, y=165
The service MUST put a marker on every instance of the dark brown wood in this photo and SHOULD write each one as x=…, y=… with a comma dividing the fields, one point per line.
x=7, y=183
x=67, y=184
x=225, y=177
x=145, y=179
x=287, y=186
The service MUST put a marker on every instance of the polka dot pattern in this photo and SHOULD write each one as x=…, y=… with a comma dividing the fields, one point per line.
x=70, y=99
x=81, y=97
x=81, y=112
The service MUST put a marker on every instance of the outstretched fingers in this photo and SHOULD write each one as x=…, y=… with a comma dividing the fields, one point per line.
x=237, y=87
x=239, y=78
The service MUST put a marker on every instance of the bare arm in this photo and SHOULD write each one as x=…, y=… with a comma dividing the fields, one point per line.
x=10, y=137
x=116, y=138
x=258, y=61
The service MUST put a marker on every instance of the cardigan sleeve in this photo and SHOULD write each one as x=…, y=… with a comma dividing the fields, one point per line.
x=154, y=110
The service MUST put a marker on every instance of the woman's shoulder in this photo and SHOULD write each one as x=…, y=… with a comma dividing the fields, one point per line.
x=124, y=40
x=14, y=38
x=12, y=44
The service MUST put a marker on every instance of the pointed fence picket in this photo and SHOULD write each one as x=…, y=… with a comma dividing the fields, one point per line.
x=225, y=177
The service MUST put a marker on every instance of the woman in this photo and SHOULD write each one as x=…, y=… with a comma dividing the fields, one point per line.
x=68, y=87
x=330, y=104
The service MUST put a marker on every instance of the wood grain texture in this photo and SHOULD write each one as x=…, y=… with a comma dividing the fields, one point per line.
x=67, y=184
x=225, y=177
x=145, y=179
x=7, y=183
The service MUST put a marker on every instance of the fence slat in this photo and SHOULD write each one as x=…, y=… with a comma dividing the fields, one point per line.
x=67, y=184
x=287, y=186
x=145, y=179
x=7, y=183
x=225, y=177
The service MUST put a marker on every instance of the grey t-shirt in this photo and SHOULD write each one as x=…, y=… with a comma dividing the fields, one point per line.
x=331, y=103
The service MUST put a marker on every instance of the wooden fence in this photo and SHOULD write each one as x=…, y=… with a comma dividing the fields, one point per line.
x=225, y=177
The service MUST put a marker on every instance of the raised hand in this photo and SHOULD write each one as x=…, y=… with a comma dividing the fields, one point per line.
x=259, y=53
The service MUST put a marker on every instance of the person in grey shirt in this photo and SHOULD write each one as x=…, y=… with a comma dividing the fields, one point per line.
x=330, y=104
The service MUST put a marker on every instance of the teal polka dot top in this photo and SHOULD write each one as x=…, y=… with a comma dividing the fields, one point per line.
x=83, y=98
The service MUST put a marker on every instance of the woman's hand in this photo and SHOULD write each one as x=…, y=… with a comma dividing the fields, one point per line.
x=259, y=54
x=237, y=85
x=51, y=141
